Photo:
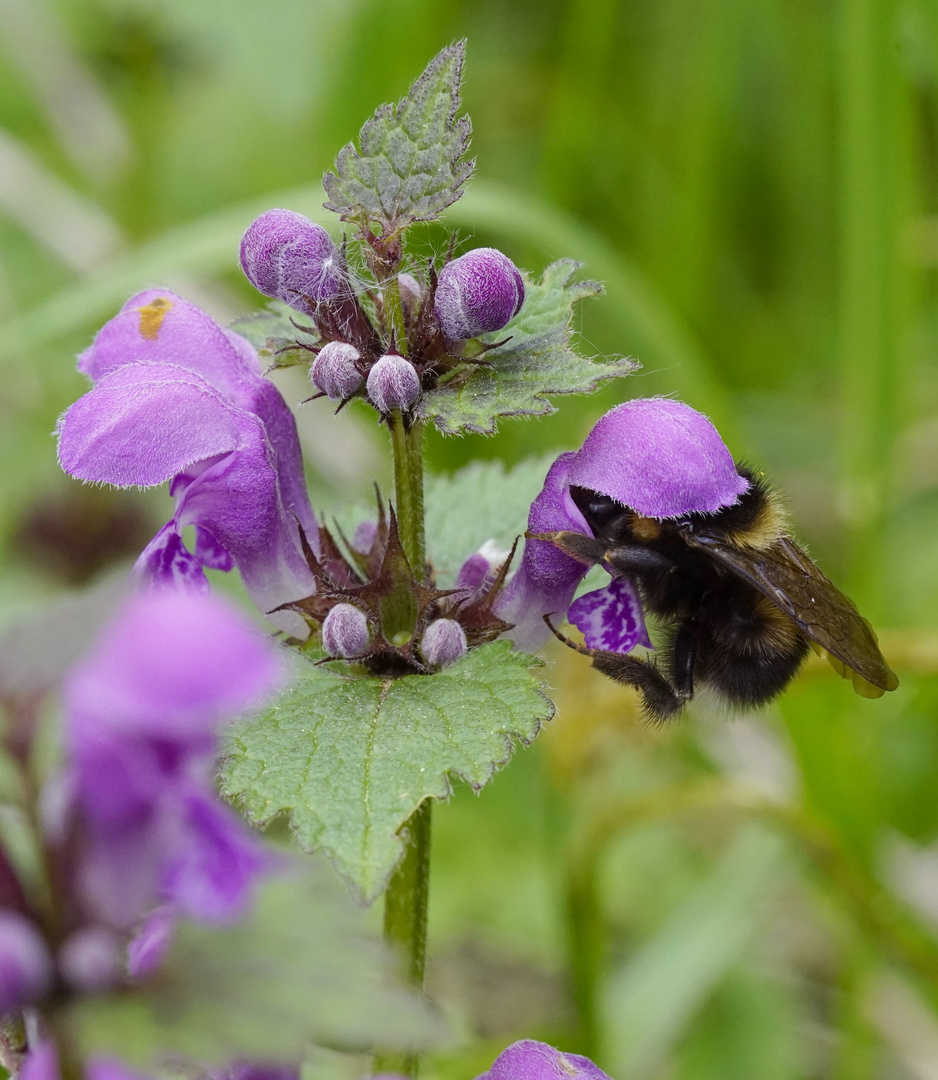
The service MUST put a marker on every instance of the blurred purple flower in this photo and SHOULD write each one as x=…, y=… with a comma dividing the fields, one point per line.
x=658, y=457
x=178, y=398
x=25, y=964
x=146, y=951
x=531, y=1060
x=142, y=711
x=42, y=1063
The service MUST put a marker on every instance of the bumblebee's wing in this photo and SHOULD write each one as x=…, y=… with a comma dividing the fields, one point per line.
x=784, y=574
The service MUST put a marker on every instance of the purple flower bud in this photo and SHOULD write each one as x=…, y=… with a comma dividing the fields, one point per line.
x=410, y=288
x=335, y=370
x=363, y=539
x=531, y=1060
x=478, y=292
x=345, y=632
x=25, y=965
x=91, y=960
x=147, y=951
x=393, y=383
x=284, y=254
x=444, y=641
x=479, y=569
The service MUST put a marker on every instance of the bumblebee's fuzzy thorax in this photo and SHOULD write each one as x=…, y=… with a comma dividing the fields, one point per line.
x=756, y=520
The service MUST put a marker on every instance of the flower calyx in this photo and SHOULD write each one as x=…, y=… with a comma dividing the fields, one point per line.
x=370, y=609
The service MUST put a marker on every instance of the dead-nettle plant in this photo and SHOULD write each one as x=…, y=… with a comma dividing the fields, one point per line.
x=412, y=628
x=407, y=674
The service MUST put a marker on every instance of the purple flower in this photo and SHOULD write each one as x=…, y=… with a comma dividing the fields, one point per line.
x=658, y=457
x=443, y=641
x=531, y=1060
x=178, y=398
x=546, y=580
x=285, y=255
x=25, y=964
x=479, y=292
x=142, y=711
x=393, y=383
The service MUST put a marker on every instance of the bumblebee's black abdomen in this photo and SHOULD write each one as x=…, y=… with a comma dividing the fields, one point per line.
x=747, y=649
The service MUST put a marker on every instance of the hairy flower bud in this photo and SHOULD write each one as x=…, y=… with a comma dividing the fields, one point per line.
x=444, y=641
x=25, y=966
x=335, y=370
x=284, y=254
x=91, y=960
x=477, y=293
x=345, y=632
x=410, y=288
x=393, y=383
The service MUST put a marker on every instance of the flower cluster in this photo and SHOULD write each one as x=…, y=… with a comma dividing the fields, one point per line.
x=418, y=332
x=133, y=836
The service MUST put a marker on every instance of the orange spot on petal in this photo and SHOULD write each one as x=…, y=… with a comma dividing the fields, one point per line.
x=151, y=317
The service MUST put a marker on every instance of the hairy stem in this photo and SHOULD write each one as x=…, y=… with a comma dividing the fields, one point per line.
x=405, y=902
x=407, y=445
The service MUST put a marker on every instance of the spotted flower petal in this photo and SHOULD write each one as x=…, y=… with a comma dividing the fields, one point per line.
x=611, y=618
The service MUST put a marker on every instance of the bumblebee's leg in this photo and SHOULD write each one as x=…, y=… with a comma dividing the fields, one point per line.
x=683, y=659
x=661, y=700
x=634, y=559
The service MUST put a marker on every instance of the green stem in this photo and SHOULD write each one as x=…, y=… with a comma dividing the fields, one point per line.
x=405, y=902
x=407, y=445
x=394, y=315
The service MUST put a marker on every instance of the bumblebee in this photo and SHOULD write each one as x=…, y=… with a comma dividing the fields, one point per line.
x=740, y=603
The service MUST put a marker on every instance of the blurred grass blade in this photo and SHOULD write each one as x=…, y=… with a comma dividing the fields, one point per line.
x=650, y=1002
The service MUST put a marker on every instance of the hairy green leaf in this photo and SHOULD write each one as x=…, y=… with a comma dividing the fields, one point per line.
x=537, y=360
x=300, y=967
x=349, y=760
x=484, y=501
x=410, y=165
x=274, y=333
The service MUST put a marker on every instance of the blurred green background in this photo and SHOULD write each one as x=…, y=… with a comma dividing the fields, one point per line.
x=749, y=897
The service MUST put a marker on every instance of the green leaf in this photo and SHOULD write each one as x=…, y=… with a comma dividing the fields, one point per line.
x=410, y=165
x=536, y=361
x=274, y=334
x=298, y=968
x=349, y=760
x=484, y=501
